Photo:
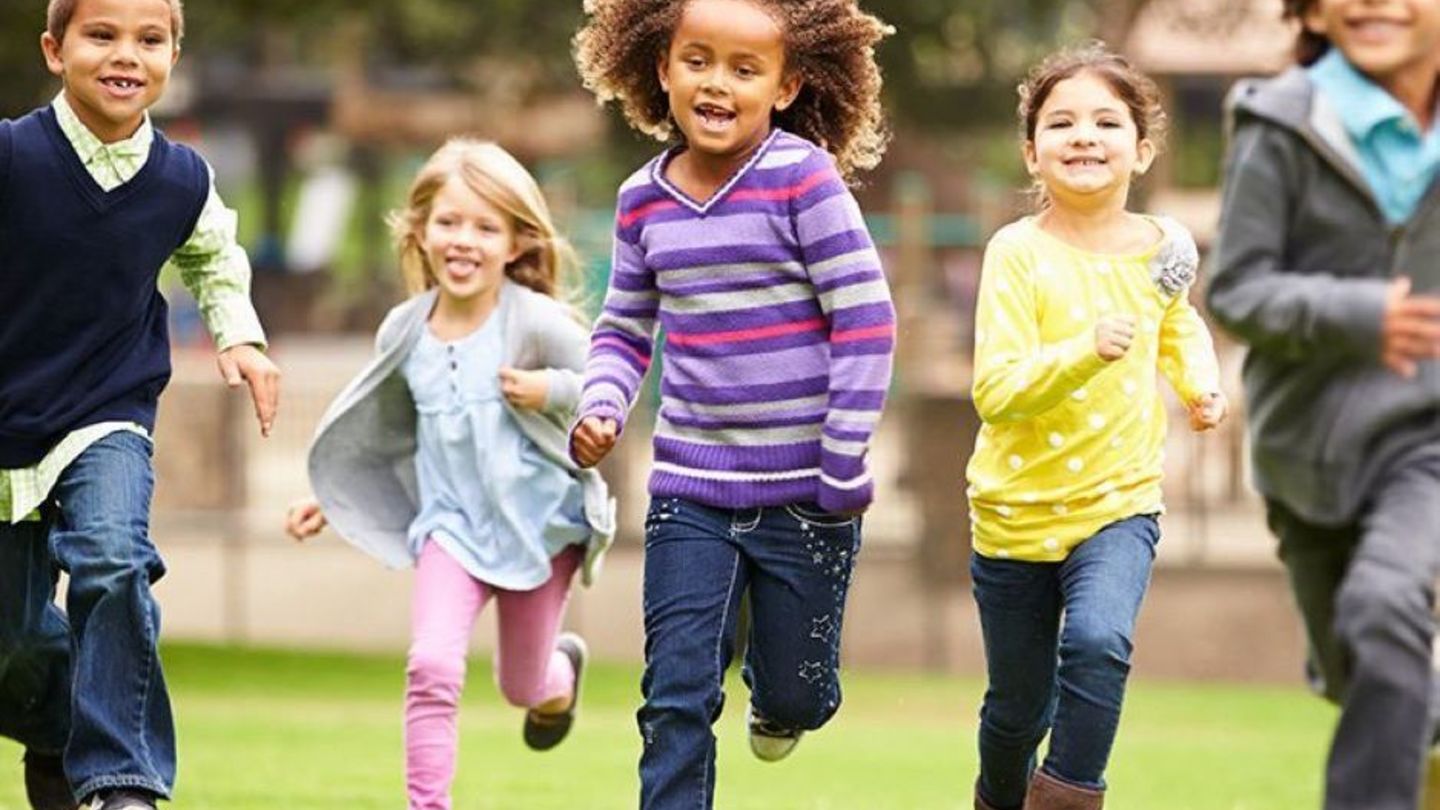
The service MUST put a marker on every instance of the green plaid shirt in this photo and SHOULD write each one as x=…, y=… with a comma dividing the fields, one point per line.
x=211, y=265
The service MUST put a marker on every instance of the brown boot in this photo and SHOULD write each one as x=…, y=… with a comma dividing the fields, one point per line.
x=1048, y=793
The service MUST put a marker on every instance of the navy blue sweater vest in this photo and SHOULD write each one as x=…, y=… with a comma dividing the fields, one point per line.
x=83, y=335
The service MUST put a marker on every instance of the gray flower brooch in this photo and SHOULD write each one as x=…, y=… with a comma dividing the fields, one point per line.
x=1174, y=265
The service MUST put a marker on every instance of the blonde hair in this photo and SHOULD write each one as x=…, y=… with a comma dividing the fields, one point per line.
x=546, y=258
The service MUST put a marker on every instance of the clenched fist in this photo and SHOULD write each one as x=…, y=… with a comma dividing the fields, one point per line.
x=525, y=390
x=594, y=438
x=1208, y=411
x=1113, y=336
x=304, y=519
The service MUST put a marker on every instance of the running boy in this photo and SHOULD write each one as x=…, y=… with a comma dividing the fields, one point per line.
x=1328, y=266
x=93, y=203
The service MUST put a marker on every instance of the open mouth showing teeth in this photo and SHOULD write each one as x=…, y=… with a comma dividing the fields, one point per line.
x=714, y=115
x=122, y=84
x=1376, y=27
x=1085, y=162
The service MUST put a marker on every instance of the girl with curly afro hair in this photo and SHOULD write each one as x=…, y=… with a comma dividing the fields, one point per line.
x=829, y=52
x=745, y=243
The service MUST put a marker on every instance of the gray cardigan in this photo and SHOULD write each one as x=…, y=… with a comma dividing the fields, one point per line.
x=362, y=460
x=1301, y=267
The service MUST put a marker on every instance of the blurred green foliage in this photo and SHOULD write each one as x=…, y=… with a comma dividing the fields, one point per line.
x=952, y=64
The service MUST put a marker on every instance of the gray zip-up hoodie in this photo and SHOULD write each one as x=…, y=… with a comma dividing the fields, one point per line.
x=1300, y=272
x=362, y=460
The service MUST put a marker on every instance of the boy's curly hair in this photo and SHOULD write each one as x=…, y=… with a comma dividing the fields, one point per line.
x=829, y=44
x=1309, y=46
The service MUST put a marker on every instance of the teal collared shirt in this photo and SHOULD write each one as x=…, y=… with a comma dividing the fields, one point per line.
x=1397, y=158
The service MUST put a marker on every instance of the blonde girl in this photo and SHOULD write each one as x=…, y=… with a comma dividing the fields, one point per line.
x=448, y=452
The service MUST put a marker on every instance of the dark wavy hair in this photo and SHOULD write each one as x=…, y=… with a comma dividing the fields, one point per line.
x=1136, y=90
x=829, y=45
x=1309, y=46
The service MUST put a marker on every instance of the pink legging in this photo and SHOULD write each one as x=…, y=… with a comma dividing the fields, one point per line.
x=528, y=668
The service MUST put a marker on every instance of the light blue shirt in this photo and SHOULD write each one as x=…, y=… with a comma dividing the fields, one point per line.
x=487, y=495
x=1398, y=160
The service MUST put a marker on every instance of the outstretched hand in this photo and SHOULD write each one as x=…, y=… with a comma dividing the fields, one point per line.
x=248, y=365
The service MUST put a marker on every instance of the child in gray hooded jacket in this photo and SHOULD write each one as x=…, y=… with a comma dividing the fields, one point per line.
x=1328, y=266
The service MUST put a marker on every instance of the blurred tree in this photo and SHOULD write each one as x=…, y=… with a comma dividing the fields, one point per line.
x=23, y=78
x=951, y=64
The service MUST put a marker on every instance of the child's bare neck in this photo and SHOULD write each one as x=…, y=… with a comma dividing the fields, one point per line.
x=699, y=174
x=454, y=318
x=1417, y=94
x=1103, y=230
x=1414, y=87
x=104, y=131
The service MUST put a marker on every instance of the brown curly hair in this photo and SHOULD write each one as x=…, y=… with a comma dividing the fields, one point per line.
x=1309, y=46
x=829, y=45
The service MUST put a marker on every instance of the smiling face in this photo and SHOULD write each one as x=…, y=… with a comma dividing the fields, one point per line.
x=115, y=60
x=467, y=243
x=1385, y=39
x=725, y=74
x=1086, y=148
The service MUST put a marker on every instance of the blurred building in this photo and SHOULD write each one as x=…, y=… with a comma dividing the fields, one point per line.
x=1195, y=50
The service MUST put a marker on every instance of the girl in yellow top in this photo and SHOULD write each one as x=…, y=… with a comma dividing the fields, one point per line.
x=1079, y=306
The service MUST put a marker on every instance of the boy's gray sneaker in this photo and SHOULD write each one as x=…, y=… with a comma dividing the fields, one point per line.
x=121, y=799
x=545, y=731
x=45, y=784
x=769, y=741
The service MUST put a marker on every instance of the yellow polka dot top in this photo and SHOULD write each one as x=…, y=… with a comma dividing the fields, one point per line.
x=1068, y=442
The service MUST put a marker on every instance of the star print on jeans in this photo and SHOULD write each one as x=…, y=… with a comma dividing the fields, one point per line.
x=822, y=627
x=812, y=671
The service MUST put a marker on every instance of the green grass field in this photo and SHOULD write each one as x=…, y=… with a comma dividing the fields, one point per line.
x=261, y=729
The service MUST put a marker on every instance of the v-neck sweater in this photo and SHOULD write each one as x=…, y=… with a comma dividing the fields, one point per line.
x=779, y=331
x=103, y=355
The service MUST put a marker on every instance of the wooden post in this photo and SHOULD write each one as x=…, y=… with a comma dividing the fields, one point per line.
x=908, y=273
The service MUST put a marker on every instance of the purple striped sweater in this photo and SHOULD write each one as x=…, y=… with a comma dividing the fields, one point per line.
x=779, y=332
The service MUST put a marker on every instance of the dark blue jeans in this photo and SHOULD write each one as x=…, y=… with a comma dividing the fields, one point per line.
x=34, y=642
x=117, y=730
x=1067, y=678
x=796, y=562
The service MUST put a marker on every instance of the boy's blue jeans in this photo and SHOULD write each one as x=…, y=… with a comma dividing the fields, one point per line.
x=1065, y=678
x=796, y=562
x=116, y=730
